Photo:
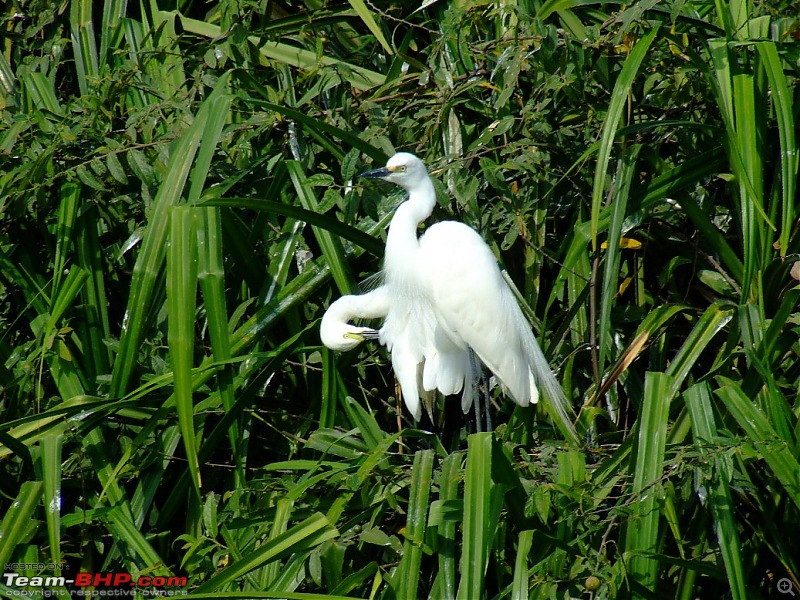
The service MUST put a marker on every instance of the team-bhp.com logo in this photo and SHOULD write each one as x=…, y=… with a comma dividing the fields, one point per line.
x=94, y=584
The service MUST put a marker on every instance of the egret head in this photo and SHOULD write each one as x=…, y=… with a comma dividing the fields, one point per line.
x=346, y=337
x=343, y=336
x=403, y=169
x=337, y=333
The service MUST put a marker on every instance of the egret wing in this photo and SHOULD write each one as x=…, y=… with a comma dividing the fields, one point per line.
x=474, y=306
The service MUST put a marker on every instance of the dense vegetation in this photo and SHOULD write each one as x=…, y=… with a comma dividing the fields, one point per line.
x=179, y=205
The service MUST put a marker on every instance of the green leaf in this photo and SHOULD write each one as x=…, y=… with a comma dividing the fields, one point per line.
x=369, y=20
x=520, y=589
x=481, y=510
x=774, y=450
x=358, y=77
x=51, y=478
x=618, y=98
x=626, y=173
x=331, y=248
x=17, y=519
x=642, y=529
x=83, y=42
x=306, y=535
x=704, y=429
x=181, y=301
x=782, y=97
x=406, y=579
x=366, y=241
x=147, y=270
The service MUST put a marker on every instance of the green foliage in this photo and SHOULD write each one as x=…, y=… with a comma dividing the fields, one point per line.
x=179, y=204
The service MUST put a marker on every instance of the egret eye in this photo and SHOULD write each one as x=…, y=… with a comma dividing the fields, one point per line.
x=401, y=169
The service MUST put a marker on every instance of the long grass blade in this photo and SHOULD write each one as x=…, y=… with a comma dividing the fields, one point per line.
x=211, y=275
x=139, y=548
x=181, y=302
x=479, y=508
x=407, y=575
x=18, y=517
x=698, y=399
x=312, y=532
x=520, y=587
x=51, y=446
x=151, y=256
x=83, y=43
x=641, y=539
x=94, y=328
x=41, y=92
x=783, y=100
x=365, y=240
x=755, y=424
x=111, y=32
x=708, y=325
x=67, y=215
x=619, y=203
x=451, y=476
x=331, y=247
x=618, y=98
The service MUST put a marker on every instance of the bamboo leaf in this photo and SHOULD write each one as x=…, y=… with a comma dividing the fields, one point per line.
x=698, y=399
x=181, y=301
x=151, y=256
x=642, y=532
x=478, y=527
x=782, y=97
x=618, y=97
x=755, y=424
x=331, y=248
x=406, y=580
x=310, y=533
x=17, y=519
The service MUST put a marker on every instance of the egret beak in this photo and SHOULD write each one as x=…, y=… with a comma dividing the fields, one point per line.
x=363, y=334
x=376, y=173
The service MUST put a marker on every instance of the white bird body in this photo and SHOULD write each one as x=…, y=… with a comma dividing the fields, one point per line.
x=443, y=293
x=474, y=306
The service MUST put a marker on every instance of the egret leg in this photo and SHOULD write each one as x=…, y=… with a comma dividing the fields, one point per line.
x=475, y=383
x=477, y=406
x=488, y=402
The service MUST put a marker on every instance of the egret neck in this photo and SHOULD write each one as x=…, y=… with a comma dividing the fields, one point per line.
x=402, y=243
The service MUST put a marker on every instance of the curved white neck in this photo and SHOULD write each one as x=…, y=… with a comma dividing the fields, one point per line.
x=402, y=237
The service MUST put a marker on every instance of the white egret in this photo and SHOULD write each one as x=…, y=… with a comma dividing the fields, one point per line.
x=442, y=295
